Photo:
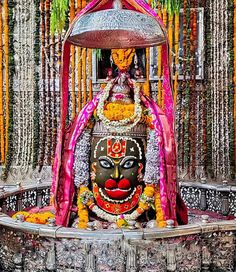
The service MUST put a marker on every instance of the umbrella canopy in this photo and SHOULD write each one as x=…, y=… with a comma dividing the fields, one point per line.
x=117, y=28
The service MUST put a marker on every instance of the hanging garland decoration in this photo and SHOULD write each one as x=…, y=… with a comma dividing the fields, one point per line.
x=214, y=90
x=193, y=95
x=234, y=82
x=146, y=86
x=209, y=102
x=225, y=130
x=2, y=130
x=90, y=70
x=219, y=90
x=43, y=76
x=187, y=93
x=6, y=59
x=48, y=98
x=72, y=15
x=232, y=121
x=176, y=47
x=36, y=86
x=164, y=17
x=227, y=79
x=84, y=75
x=84, y=68
x=183, y=86
x=159, y=66
x=54, y=65
x=202, y=142
x=9, y=155
x=170, y=34
x=30, y=86
x=79, y=65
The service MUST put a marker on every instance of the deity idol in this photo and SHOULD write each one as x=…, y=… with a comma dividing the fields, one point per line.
x=118, y=159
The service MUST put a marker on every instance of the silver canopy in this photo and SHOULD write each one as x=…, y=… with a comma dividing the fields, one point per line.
x=116, y=28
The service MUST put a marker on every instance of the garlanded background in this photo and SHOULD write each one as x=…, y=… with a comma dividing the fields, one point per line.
x=30, y=58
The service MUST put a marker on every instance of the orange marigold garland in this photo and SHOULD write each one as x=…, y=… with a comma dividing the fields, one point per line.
x=6, y=53
x=72, y=15
x=146, y=86
x=176, y=39
x=90, y=73
x=84, y=72
x=159, y=213
x=79, y=50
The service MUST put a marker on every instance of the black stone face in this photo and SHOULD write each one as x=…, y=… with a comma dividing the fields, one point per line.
x=118, y=164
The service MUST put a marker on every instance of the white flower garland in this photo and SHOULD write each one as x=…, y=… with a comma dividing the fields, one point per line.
x=125, y=124
x=113, y=218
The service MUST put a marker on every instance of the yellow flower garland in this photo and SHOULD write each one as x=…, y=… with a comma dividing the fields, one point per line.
x=116, y=112
x=37, y=218
x=161, y=223
x=83, y=214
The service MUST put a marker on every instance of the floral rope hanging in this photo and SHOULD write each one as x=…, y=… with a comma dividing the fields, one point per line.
x=73, y=98
x=6, y=54
x=234, y=82
x=43, y=76
x=36, y=86
x=2, y=129
x=48, y=98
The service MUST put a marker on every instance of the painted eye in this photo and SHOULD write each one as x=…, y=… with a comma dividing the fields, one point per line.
x=128, y=164
x=105, y=164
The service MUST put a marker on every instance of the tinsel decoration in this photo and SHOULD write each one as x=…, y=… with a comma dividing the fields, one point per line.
x=82, y=156
x=152, y=175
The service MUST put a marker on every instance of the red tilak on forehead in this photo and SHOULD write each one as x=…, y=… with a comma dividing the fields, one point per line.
x=116, y=150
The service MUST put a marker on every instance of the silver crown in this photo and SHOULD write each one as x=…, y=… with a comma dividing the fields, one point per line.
x=139, y=131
